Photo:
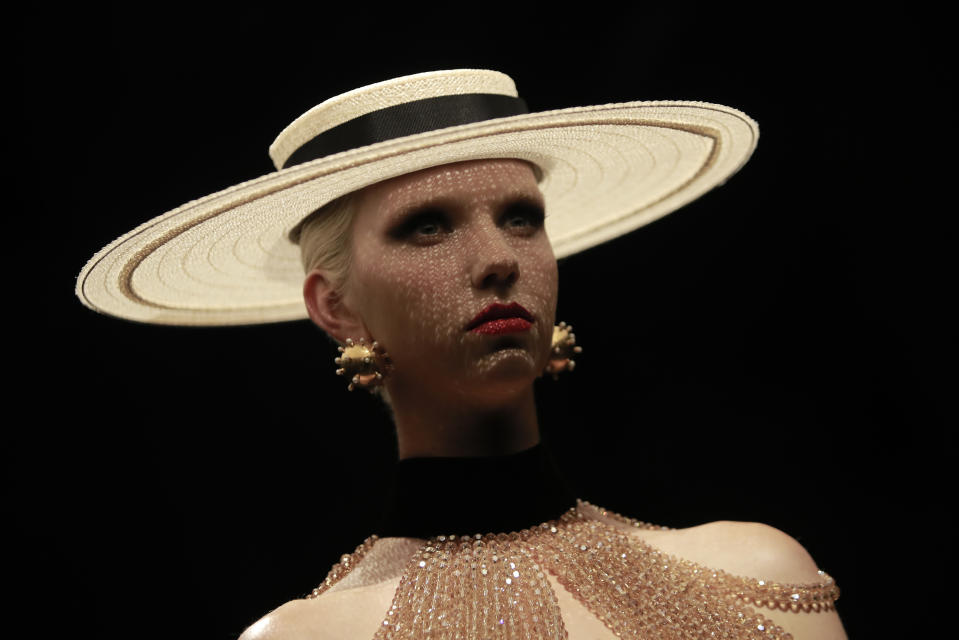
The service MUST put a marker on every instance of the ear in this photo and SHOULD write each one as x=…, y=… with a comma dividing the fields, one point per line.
x=327, y=309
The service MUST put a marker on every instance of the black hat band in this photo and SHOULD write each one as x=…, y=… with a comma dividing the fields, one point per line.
x=409, y=118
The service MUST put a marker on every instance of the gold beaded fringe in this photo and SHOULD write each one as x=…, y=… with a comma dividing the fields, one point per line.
x=481, y=585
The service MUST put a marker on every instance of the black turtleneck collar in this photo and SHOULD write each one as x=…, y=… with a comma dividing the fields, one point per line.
x=463, y=496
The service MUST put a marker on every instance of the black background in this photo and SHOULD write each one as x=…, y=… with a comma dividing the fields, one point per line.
x=772, y=353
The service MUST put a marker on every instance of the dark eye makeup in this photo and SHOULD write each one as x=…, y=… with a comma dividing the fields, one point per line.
x=430, y=222
x=424, y=223
x=523, y=214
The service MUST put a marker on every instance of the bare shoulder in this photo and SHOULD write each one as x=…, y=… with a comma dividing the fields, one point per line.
x=335, y=615
x=290, y=620
x=754, y=550
x=750, y=549
x=747, y=549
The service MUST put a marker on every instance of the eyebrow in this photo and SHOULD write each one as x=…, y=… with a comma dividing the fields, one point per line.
x=525, y=198
x=437, y=202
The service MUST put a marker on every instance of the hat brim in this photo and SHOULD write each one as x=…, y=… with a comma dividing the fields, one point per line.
x=606, y=170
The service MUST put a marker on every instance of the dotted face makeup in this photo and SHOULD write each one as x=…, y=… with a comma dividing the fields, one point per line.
x=454, y=275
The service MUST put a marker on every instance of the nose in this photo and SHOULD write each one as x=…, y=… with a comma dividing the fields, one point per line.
x=495, y=262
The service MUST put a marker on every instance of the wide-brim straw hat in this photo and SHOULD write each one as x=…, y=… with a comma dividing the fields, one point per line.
x=605, y=170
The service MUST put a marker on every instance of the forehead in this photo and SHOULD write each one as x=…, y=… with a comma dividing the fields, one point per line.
x=467, y=181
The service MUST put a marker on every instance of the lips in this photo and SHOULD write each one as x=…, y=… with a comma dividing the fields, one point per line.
x=501, y=318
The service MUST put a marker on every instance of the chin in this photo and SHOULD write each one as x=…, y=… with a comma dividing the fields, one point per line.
x=505, y=373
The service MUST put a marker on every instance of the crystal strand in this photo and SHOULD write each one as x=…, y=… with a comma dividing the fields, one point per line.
x=496, y=585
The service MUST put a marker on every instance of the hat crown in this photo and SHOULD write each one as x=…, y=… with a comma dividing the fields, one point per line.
x=381, y=95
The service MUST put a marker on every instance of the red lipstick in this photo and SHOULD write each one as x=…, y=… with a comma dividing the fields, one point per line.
x=501, y=318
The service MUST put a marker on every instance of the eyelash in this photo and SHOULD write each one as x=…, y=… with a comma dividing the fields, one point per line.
x=532, y=213
x=412, y=225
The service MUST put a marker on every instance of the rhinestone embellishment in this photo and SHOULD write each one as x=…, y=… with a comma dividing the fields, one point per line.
x=496, y=586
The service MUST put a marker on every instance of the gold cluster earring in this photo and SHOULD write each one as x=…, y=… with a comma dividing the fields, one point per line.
x=365, y=365
x=562, y=351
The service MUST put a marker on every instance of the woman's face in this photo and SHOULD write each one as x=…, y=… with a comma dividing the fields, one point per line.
x=434, y=249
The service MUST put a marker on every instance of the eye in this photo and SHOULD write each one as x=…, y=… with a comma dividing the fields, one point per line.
x=424, y=226
x=523, y=216
x=427, y=228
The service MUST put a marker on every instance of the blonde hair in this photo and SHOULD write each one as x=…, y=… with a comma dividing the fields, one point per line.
x=325, y=239
x=326, y=242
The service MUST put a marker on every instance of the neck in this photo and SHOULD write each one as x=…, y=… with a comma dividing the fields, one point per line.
x=428, y=428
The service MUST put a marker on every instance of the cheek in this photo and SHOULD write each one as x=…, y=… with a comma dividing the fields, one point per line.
x=545, y=284
x=542, y=276
x=409, y=303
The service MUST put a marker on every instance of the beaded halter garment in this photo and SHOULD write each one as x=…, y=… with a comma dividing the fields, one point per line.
x=495, y=586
